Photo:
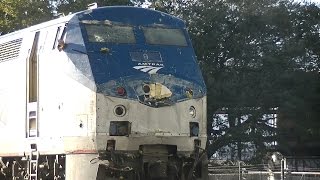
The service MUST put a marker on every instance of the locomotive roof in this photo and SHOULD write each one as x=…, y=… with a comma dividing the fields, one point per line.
x=134, y=15
x=118, y=13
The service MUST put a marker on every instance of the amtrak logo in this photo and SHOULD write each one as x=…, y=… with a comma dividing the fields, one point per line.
x=148, y=69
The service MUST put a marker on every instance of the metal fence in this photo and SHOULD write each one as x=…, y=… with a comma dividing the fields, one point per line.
x=264, y=176
x=258, y=172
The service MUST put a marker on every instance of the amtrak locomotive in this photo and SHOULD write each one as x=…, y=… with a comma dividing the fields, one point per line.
x=107, y=93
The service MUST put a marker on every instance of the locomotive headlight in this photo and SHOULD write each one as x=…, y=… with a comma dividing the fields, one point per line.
x=119, y=110
x=146, y=88
x=192, y=111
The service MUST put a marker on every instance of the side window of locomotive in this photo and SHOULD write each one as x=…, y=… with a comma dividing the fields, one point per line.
x=164, y=36
x=60, y=35
x=64, y=32
x=55, y=43
x=110, y=33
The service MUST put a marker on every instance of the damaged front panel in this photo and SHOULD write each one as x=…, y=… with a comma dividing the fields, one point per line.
x=156, y=90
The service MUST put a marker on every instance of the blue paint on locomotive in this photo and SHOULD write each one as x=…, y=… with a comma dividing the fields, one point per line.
x=131, y=15
x=178, y=69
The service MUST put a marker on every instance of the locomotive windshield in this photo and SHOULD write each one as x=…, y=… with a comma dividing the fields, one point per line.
x=105, y=32
x=110, y=33
x=164, y=36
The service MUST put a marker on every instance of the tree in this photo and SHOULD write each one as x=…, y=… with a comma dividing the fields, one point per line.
x=18, y=14
x=71, y=6
x=299, y=128
x=249, y=51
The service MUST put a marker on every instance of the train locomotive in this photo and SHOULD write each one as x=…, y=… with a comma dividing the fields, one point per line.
x=106, y=93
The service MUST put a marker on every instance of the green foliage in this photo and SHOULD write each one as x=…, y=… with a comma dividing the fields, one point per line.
x=258, y=55
x=71, y=6
x=18, y=14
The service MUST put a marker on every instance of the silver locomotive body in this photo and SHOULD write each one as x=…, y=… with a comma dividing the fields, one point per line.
x=61, y=119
